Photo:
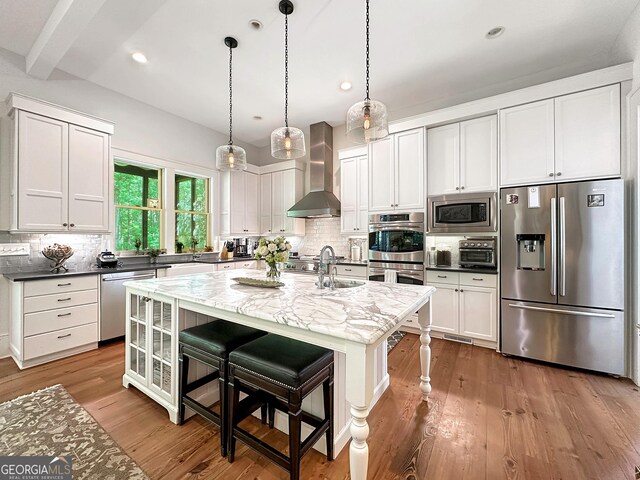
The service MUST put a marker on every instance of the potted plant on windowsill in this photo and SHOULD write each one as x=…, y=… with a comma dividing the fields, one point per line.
x=179, y=246
x=153, y=254
x=138, y=244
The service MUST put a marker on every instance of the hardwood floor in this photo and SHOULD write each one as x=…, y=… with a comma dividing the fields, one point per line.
x=489, y=417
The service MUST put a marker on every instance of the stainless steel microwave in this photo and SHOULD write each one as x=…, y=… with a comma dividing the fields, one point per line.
x=463, y=213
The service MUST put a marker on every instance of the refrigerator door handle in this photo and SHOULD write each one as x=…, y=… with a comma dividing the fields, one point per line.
x=562, y=277
x=554, y=257
x=563, y=312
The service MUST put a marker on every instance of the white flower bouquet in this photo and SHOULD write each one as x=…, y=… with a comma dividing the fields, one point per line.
x=273, y=251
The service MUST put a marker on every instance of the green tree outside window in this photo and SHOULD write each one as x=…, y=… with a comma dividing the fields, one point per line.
x=192, y=211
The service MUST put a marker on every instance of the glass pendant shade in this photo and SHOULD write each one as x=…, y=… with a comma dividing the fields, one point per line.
x=287, y=143
x=367, y=121
x=231, y=157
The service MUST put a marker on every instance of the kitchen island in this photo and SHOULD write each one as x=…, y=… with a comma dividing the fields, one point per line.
x=354, y=322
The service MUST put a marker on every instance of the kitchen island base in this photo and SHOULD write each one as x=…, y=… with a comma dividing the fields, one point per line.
x=354, y=323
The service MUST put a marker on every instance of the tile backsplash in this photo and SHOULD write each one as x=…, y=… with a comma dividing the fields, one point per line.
x=85, y=250
x=324, y=231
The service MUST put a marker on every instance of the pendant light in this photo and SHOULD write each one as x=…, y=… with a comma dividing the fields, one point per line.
x=231, y=157
x=287, y=142
x=367, y=120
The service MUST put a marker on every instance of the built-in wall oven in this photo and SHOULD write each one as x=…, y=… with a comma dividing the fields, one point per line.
x=396, y=242
x=462, y=213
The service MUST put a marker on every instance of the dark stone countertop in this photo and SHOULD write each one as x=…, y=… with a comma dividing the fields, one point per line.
x=94, y=270
x=457, y=268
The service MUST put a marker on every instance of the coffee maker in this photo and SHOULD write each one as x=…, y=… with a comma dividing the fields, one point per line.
x=242, y=247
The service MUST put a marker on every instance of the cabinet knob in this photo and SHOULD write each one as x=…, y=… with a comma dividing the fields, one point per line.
x=72, y=224
x=65, y=224
x=396, y=204
x=461, y=188
x=456, y=289
x=558, y=174
x=461, y=290
x=392, y=204
x=551, y=174
x=457, y=188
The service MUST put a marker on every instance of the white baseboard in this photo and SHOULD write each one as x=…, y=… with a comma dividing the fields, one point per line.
x=4, y=345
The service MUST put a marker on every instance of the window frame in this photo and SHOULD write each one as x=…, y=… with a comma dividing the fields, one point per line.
x=160, y=209
x=207, y=202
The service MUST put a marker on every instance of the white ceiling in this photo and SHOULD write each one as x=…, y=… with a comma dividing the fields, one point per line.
x=425, y=53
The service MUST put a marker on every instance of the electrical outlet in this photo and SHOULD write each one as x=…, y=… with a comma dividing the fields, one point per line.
x=11, y=249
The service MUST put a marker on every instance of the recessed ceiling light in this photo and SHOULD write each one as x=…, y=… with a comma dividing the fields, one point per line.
x=257, y=117
x=346, y=85
x=255, y=24
x=139, y=57
x=495, y=32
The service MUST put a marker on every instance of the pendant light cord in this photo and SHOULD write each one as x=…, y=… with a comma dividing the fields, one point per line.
x=230, y=96
x=367, y=54
x=286, y=71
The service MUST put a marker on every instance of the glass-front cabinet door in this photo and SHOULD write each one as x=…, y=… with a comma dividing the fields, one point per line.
x=137, y=344
x=162, y=354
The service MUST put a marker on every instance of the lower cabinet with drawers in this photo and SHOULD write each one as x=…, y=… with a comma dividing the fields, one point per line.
x=53, y=318
x=464, y=307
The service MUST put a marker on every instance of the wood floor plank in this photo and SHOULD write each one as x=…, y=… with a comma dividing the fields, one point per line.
x=489, y=417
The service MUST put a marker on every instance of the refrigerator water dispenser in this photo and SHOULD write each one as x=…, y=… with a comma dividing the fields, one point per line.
x=530, y=251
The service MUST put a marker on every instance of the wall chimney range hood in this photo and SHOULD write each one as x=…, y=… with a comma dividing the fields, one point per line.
x=320, y=202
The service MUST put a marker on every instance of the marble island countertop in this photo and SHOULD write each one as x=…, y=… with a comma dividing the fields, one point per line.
x=362, y=314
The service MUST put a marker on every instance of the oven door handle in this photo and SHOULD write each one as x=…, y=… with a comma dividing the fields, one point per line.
x=408, y=273
x=396, y=228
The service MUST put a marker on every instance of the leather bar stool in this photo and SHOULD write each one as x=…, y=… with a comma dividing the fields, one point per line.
x=282, y=372
x=211, y=344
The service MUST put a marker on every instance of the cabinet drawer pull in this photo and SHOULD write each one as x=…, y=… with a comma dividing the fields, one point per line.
x=64, y=299
x=64, y=314
x=442, y=276
x=64, y=336
x=347, y=269
x=478, y=279
x=64, y=284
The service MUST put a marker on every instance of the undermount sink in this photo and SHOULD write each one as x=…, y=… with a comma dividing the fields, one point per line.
x=342, y=284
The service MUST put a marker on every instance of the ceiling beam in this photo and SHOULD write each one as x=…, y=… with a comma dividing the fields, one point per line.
x=67, y=21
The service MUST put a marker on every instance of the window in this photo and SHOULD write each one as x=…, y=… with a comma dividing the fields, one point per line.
x=138, y=206
x=192, y=211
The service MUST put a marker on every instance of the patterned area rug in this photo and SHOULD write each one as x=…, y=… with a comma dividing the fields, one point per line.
x=49, y=422
x=394, y=339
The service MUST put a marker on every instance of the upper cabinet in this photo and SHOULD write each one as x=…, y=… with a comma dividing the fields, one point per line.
x=239, y=203
x=397, y=172
x=354, y=194
x=463, y=157
x=285, y=188
x=57, y=172
x=571, y=137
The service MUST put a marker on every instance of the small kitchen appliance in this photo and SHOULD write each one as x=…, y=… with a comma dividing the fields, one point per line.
x=107, y=260
x=478, y=252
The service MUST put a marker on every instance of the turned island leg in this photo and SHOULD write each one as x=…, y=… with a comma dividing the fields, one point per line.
x=424, y=319
x=359, y=393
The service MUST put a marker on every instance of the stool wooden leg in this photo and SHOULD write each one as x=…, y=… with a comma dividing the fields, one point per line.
x=295, y=425
x=327, y=390
x=224, y=410
x=183, y=368
x=234, y=400
x=272, y=415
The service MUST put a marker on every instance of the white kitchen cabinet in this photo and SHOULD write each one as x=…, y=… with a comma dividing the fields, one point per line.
x=61, y=175
x=479, y=155
x=587, y=140
x=53, y=318
x=397, y=172
x=89, y=180
x=250, y=264
x=478, y=312
x=354, y=195
x=465, y=304
x=150, y=358
x=286, y=188
x=239, y=200
x=444, y=308
x=527, y=143
x=463, y=157
x=265, y=203
x=179, y=269
x=572, y=137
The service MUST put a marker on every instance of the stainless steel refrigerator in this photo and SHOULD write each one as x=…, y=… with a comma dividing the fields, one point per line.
x=562, y=274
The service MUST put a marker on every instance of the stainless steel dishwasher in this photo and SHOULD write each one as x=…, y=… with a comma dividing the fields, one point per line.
x=113, y=301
